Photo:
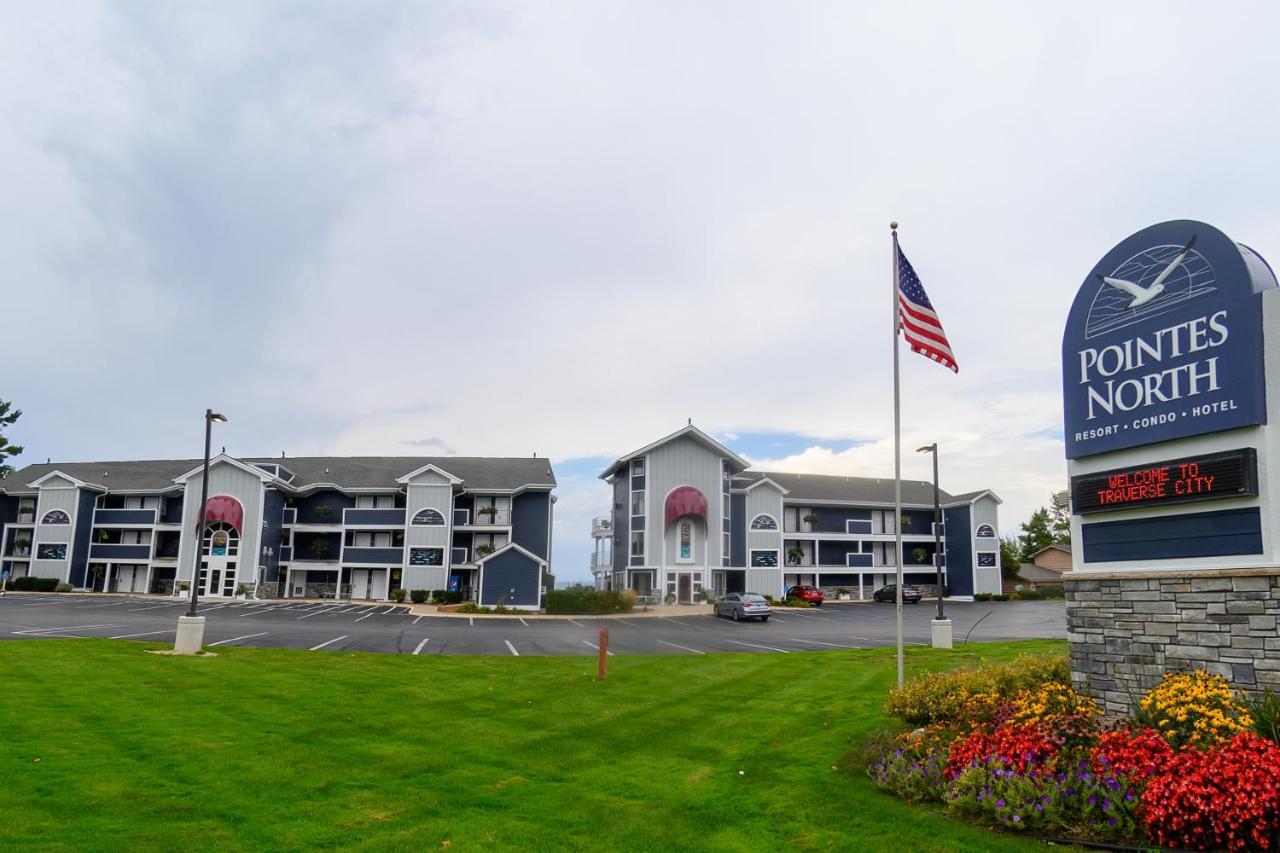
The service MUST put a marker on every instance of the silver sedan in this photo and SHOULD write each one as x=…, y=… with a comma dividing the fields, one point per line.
x=744, y=605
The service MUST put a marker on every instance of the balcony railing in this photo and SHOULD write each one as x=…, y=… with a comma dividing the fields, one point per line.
x=112, y=551
x=125, y=516
x=26, y=518
x=380, y=517
x=14, y=551
x=372, y=556
x=497, y=518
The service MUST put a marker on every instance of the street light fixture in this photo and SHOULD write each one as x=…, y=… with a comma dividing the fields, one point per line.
x=941, y=624
x=190, y=626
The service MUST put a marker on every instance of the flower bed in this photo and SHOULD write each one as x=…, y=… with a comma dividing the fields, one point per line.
x=1018, y=748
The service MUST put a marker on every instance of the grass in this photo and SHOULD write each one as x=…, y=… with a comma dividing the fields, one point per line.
x=110, y=748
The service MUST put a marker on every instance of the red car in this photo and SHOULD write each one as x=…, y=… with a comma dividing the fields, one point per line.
x=811, y=595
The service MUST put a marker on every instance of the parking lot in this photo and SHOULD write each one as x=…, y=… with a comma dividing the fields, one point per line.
x=393, y=629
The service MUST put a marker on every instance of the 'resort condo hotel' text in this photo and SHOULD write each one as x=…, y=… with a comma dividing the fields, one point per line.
x=1158, y=386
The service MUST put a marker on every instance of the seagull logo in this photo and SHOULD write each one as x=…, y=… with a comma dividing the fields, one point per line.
x=1142, y=295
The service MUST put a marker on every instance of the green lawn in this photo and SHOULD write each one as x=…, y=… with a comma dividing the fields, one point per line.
x=109, y=748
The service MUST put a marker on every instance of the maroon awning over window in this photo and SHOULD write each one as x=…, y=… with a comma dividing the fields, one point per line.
x=686, y=500
x=224, y=508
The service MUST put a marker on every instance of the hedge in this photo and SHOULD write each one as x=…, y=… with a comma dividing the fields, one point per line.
x=587, y=600
x=30, y=584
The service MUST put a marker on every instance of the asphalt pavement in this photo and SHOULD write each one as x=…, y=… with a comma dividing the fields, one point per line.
x=394, y=629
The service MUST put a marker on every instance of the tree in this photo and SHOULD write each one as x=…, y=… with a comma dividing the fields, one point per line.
x=1037, y=533
x=1010, y=558
x=1060, y=522
x=8, y=415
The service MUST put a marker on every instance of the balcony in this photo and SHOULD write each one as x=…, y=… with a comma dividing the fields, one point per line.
x=133, y=517
x=21, y=552
x=113, y=552
x=373, y=517
x=290, y=515
x=286, y=554
x=26, y=518
x=372, y=556
x=497, y=518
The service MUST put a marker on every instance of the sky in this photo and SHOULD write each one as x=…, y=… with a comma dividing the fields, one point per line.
x=568, y=228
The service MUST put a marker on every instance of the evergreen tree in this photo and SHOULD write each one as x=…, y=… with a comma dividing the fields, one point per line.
x=8, y=415
x=1037, y=533
x=1010, y=558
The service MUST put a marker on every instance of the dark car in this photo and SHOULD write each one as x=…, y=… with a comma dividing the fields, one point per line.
x=910, y=594
x=743, y=605
x=811, y=595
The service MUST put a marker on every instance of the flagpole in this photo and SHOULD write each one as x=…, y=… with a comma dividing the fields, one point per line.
x=897, y=459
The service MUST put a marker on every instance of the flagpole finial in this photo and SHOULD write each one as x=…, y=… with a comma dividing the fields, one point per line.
x=893, y=225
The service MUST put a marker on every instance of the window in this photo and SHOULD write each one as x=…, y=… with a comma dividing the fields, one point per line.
x=986, y=530
x=637, y=467
x=637, y=503
x=426, y=556
x=882, y=521
x=728, y=547
x=375, y=501
x=764, y=522
x=430, y=517
x=221, y=540
x=55, y=516
x=764, y=559
x=987, y=560
x=637, y=544
x=51, y=552
x=684, y=542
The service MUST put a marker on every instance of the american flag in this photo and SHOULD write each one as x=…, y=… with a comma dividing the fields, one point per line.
x=919, y=323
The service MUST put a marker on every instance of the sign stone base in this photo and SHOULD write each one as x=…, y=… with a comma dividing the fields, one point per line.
x=1126, y=630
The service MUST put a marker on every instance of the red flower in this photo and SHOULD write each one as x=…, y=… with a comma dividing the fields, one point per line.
x=1016, y=746
x=1133, y=753
x=1227, y=796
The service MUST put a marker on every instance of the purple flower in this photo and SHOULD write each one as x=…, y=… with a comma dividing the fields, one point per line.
x=1111, y=821
x=1128, y=796
x=1000, y=804
x=1106, y=804
x=1017, y=818
x=1093, y=800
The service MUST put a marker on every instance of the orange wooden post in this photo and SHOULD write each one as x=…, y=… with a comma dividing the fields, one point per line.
x=604, y=653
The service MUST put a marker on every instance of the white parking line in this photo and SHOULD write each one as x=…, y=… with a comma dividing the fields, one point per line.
x=471, y=620
x=821, y=643
x=112, y=604
x=327, y=643
x=143, y=634
x=886, y=640
x=685, y=648
x=416, y=621
x=268, y=610
x=156, y=606
x=758, y=646
x=38, y=631
x=669, y=619
x=364, y=617
x=236, y=639
x=513, y=648
x=419, y=648
x=597, y=648
x=576, y=622
x=314, y=612
x=391, y=609
x=524, y=623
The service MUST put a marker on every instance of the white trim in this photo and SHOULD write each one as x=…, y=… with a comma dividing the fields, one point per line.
x=505, y=548
x=777, y=553
x=761, y=482
x=690, y=430
x=229, y=460
x=752, y=525
x=76, y=483
x=432, y=467
x=443, y=521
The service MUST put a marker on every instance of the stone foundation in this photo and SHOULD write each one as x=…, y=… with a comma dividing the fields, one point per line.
x=1126, y=630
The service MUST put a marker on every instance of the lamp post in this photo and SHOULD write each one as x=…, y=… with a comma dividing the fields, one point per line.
x=190, y=626
x=941, y=624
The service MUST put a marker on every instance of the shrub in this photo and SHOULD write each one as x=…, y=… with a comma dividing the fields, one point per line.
x=472, y=607
x=913, y=777
x=1029, y=595
x=1193, y=708
x=1016, y=747
x=418, y=596
x=588, y=600
x=444, y=596
x=999, y=596
x=1051, y=699
x=982, y=596
x=397, y=595
x=63, y=587
x=1227, y=796
x=31, y=584
x=671, y=598
x=795, y=602
x=971, y=694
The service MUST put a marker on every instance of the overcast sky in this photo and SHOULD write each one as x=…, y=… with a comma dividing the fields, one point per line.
x=564, y=229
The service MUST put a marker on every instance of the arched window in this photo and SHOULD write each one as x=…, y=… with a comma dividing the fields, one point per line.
x=221, y=540
x=764, y=521
x=429, y=516
x=986, y=530
x=55, y=516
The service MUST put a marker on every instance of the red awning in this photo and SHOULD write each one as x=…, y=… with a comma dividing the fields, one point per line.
x=686, y=500
x=226, y=509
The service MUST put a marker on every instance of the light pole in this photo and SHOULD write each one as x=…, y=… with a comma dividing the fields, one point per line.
x=941, y=624
x=191, y=627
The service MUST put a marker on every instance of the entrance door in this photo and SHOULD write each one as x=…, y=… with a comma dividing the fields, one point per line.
x=684, y=588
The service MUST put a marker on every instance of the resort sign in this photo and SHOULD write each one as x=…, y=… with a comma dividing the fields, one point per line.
x=1164, y=341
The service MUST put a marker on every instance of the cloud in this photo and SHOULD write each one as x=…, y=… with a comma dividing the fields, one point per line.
x=567, y=228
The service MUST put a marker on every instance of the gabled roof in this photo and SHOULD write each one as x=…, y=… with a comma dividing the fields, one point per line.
x=78, y=483
x=1057, y=546
x=224, y=459
x=353, y=473
x=692, y=432
x=505, y=548
x=430, y=466
x=970, y=497
x=768, y=480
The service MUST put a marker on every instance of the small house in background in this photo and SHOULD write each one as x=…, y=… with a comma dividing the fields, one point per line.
x=1046, y=567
